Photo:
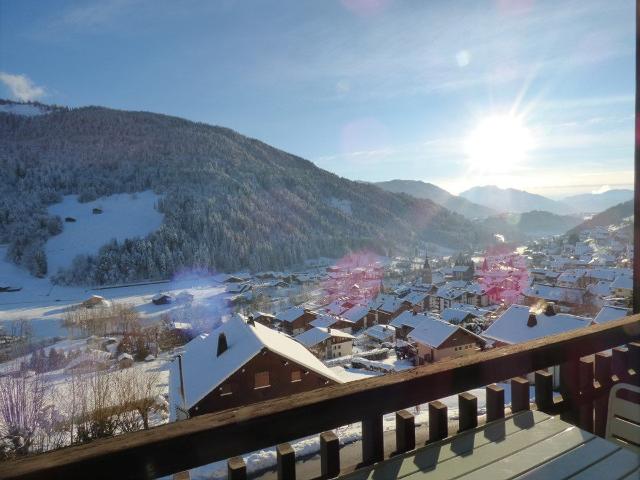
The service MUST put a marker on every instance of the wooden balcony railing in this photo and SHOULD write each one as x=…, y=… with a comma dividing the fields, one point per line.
x=585, y=383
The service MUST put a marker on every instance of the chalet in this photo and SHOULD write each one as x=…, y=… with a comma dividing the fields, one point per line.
x=162, y=299
x=95, y=301
x=326, y=343
x=335, y=322
x=519, y=324
x=406, y=322
x=610, y=313
x=622, y=286
x=357, y=315
x=562, y=296
x=436, y=340
x=456, y=316
x=446, y=296
x=475, y=294
x=415, y=299
x=294, y=320
x=240, y=364
x=377, y=334
x=385, y=308
x=265, y=319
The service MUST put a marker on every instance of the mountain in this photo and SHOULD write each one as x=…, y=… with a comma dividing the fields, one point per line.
x=512, y=200
x=438, y=195
x=229, y=202
x=598, y=202
x=517, y=227
x=610, y=216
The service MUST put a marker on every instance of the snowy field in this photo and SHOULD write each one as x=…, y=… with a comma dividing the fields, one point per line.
x=123, y=216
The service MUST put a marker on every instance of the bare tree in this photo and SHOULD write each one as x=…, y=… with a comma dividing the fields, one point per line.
x=22, y=402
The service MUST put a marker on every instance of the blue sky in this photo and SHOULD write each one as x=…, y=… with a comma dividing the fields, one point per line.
x=368, y=89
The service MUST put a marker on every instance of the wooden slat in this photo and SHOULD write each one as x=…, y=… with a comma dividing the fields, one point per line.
x=544, y=390
x=405, y=431
x=329, y=455
x=168, y=449
x=613, y=467
x=519, y=394
x=585, y=384
x=532, y=457
x=600, y=405
x=372, y=440
x=236, y=469
x=495, y=402
x=467, y=411
x=462, y=444
x=634, y=356
x=438, y=421
x=286, y=458
x=620, y=363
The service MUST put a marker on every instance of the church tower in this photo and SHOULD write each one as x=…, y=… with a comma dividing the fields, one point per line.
x=426, y=271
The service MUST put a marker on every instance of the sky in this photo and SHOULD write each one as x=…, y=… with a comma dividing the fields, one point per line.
x=528, y=94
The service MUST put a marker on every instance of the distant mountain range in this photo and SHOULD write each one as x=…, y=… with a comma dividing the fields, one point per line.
x=514, y=201
x=598, y=202
x=438, y=195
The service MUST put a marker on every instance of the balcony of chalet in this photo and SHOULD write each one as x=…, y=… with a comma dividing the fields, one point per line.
x=559, y=435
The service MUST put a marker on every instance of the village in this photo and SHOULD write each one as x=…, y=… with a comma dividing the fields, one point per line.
x=271, y=334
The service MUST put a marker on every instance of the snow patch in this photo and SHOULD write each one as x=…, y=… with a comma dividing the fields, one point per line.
x=119, y=217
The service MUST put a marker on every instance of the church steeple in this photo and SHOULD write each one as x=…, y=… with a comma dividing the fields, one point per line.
x=426, y=270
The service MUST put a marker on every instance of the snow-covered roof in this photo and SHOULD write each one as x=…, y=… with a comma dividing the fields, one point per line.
x=290, y=314
x=609, y=313
x=316, y=335
x=623, y=282
x=380, y=332
x=434, y=332
x=414, y=297
x=408, y=319
x=203, y=370
x=454, y=315
x=355, y=313
x=335, y=307
x=555, y=294
x=511, y=327
x=602, y=288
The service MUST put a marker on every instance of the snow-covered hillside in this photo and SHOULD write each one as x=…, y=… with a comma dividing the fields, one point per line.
x=122, y=216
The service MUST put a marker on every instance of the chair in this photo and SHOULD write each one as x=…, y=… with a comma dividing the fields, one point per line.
x=623, y=417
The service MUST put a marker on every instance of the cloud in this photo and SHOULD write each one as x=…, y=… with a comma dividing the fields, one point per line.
x=21, y=87
x=602, y=189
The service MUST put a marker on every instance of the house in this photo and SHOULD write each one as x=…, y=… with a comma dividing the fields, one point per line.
x=241, y=363
x=378, y=334
x=265, y=319
x=609, y=313
x=95, y=301
x=294, y=320
x=337, y=323
x=162, y=299
x=622, y=286
x=357, y=315
x=406, y=322
x=436, y=340
x=385, y=308
x=326, y=343
x=562, y=296
x=456, y=316
x=519, y=324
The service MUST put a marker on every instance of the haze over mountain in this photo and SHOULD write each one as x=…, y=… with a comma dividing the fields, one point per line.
x=514, y=201
x=597, y=202
x=438, y=195
x=229, y=202
x=610, y=216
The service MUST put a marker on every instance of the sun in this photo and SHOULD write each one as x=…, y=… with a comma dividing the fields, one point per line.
x=498, y=144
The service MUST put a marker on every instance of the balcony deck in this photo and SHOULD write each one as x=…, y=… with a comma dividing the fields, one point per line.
x=591, y=360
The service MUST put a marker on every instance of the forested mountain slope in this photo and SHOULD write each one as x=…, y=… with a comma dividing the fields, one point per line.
x=610, y=216
x=229, y=201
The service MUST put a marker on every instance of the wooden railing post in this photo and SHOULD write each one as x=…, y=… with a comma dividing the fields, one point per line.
x=544, y=390
x=329, y=455
x=467, y=411
x=286, y=462
x=438, y=421
x=603, y=377
x=236, y=469
x=634, y=358
x=585, y=384
x=405, y=431
x=495, y=402
x=569, y=383
x=372, y=440
x=519, y=394
x=620, y=363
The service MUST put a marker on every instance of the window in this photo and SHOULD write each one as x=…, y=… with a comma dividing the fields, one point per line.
x=225, y=389
x=296, y=376
x=261, y=380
